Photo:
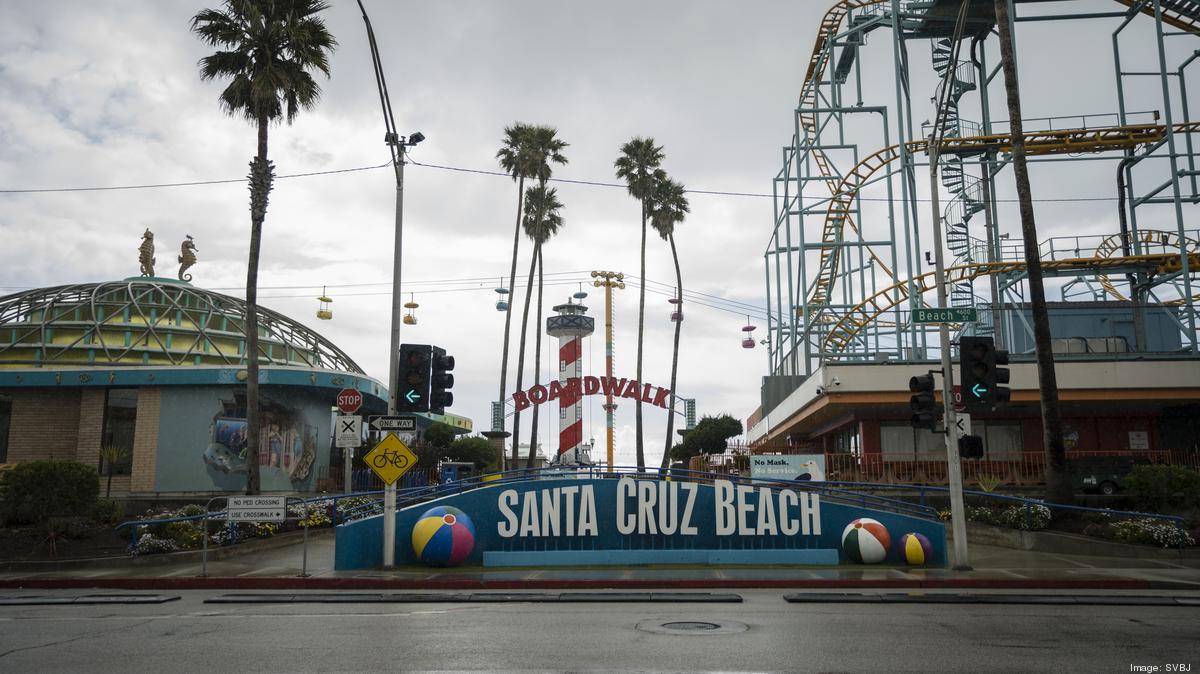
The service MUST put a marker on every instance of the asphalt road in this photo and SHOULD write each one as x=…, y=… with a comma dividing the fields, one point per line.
x=762, y=634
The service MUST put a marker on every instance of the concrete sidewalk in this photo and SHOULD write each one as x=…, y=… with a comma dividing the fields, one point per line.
x=280, y=568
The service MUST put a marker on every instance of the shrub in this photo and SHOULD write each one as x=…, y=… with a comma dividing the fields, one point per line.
x=1034, y=518
x=185, y=535
x=314, y=514
x=1161, y=487
x=35, y=491
x=191, y=510
x=149, y=544
x=108, y=511
x=1149, y=531
x=358, y=507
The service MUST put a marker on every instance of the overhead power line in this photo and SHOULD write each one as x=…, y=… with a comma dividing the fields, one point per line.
x=459, y=169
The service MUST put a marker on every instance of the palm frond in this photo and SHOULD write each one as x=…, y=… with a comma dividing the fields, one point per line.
x=270, y=50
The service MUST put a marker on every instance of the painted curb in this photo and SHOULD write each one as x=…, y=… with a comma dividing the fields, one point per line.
x=296, y=583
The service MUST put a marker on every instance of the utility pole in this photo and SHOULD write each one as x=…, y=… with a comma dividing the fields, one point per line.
x=958, y=514
x=610, y=280
x=397, y=145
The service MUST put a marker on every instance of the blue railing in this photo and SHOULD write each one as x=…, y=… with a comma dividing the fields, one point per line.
x=849, y=493
x=1028, y=503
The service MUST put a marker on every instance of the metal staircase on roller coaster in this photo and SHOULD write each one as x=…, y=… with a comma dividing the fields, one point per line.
x=967, y=196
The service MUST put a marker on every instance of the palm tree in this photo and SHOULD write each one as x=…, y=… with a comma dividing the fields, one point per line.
x=639, y=158
x=536, y=147
x=670, y=208
x=542, y=220
x=268, y=49
x=526, y=153
x=1058, y=482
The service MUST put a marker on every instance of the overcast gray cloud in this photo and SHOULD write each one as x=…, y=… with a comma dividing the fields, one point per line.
x=108, y=94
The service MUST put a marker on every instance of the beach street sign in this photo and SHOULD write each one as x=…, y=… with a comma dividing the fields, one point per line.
x=257, y=508
x=947, y=315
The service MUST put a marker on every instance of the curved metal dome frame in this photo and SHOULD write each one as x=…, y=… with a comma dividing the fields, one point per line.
x=150, y=321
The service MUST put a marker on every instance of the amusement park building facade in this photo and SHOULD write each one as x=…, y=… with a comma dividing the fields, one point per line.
x=844, y=268
x=156, y=367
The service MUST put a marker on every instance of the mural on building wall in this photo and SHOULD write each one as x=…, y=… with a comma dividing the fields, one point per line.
x=287, y=445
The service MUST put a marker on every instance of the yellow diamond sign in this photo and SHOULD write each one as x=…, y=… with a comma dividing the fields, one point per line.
x=390, y=459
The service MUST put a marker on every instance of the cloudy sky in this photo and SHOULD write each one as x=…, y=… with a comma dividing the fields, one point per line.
x=107, y=94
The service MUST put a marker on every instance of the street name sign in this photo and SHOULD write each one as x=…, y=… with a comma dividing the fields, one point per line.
x=393, y=423
x=257, y=508
x=947, y=315
x=349, y=400
x=348, y=430
x=390, y=459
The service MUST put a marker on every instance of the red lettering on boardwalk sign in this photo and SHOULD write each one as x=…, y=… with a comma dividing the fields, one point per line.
x=567, y=392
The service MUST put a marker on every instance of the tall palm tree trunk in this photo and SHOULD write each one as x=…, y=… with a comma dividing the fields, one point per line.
x=512, y=289
x=516, y=436
x=641, y=451
x=674, y=354
x=1058, y=484
x=537, y=366
x=261, y=175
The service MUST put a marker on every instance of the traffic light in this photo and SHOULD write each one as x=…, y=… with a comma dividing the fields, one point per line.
x=970, y=447
x=924, y=405
x=979, y=374
x=412, y=387
x=441, y=381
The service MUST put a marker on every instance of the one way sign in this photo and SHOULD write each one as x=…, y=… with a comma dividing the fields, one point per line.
x=395, y=423
x=348, y=430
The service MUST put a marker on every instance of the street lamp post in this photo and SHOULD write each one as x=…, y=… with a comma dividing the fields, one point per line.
x=397, y=145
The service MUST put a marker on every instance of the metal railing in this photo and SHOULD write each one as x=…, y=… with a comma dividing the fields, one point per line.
x=1027, y=504
x=1017, y=469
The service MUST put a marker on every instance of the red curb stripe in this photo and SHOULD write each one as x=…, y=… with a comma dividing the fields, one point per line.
x=295, y=583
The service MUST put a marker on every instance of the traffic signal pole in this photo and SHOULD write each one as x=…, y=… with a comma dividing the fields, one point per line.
x=958, y=520
x=958, y=514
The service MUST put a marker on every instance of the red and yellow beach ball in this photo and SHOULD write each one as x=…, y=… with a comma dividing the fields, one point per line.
x=443, y=536
x=865, y=541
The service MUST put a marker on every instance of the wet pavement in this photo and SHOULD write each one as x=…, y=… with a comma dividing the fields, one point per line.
x=992, y=566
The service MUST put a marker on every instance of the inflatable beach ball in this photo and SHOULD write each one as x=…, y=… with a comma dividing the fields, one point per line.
x=865, y=541
x=915, y=549
x=443, y=536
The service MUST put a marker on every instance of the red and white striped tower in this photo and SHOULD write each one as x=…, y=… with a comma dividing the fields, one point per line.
x=570, y=326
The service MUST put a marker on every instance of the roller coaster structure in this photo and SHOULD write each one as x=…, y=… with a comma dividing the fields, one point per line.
x=848, y=295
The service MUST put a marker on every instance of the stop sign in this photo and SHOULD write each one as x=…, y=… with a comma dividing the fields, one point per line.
x=349, y=400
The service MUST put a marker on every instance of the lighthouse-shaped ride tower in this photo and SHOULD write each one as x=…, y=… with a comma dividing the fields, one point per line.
x=570, y=325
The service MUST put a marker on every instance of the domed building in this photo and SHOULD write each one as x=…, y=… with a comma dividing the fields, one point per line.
x=157, y=367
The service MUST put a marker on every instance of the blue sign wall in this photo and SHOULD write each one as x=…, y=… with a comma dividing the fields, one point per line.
x=568, y=521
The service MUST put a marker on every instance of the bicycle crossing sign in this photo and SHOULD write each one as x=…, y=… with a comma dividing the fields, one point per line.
x=390, y=459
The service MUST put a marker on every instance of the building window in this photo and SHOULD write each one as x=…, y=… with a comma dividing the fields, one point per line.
x=1002, y=441
x=5, y=423
x=120, y=420
x=902, y=442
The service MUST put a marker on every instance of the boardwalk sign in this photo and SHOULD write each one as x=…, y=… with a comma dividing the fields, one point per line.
x=571, y=521
x=574, y=388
